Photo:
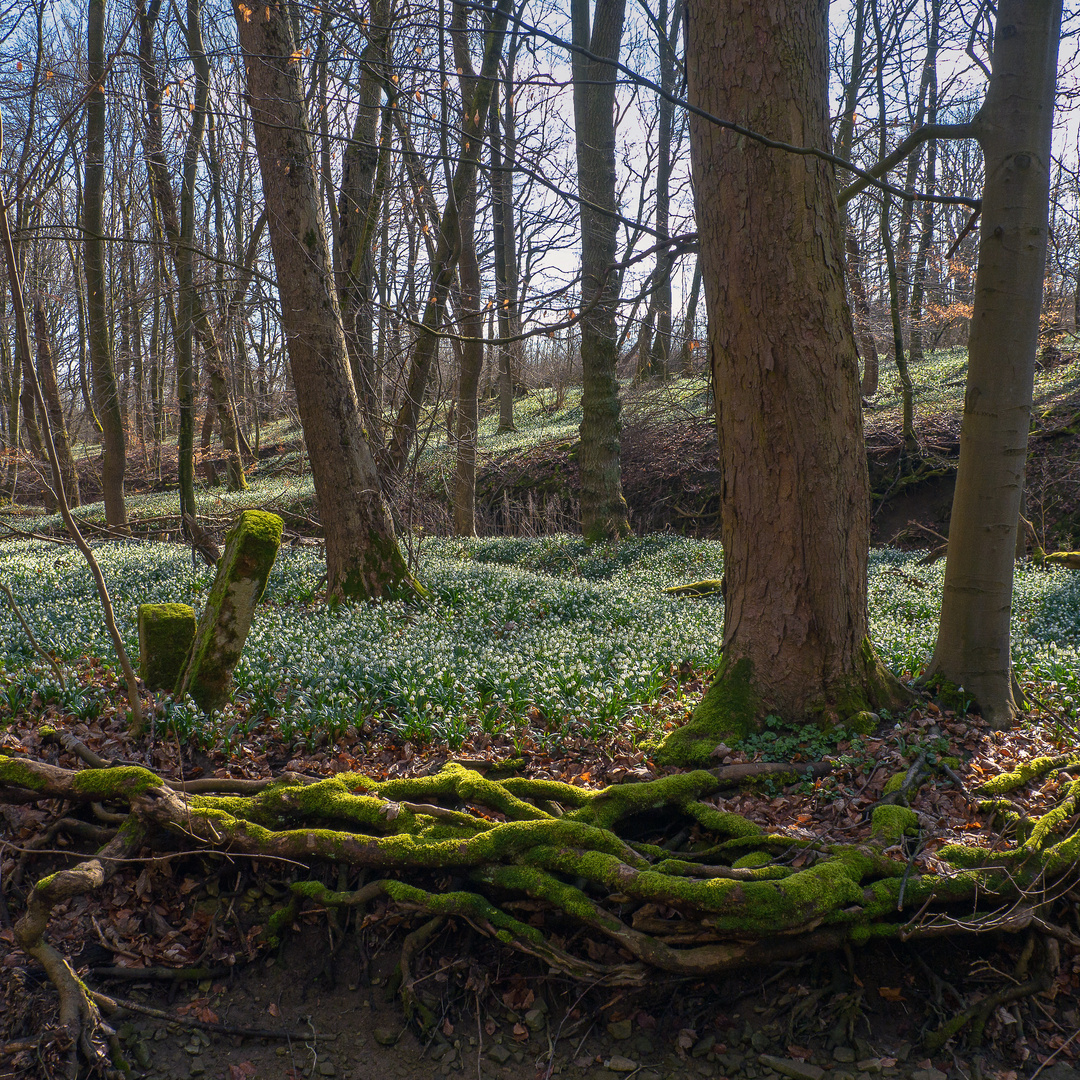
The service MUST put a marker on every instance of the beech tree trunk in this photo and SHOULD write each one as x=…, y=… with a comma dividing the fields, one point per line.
x=103, y=373
x=46, y=369
x=362, y=554
x=795, y=495
x=1013, y=128
x=363, y=177
x=471, y=321
x=603, y=508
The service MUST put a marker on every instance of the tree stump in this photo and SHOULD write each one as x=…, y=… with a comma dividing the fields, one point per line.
x=165, y=635
x=250, y=550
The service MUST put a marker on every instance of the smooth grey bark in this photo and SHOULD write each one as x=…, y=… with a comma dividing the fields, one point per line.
x=471, y=321
x=845, y=137
x=362, y=554
x=1013, y=127
x=364, y=168
x=46, y=370
x=603, y=508
x=444, y=258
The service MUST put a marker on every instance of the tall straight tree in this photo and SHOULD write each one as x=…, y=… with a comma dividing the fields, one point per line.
x=794, y=489
x=362, y=554
x=1013, y=127
x=103, y=372
x=596, y=40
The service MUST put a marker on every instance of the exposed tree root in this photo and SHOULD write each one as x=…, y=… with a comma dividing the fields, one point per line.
x=723, y=895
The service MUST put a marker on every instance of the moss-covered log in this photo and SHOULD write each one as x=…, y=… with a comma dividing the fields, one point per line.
x=736, y=896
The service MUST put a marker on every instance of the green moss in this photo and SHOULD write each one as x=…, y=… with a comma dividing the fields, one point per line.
x=1024, y=773
x=46, y=731
x=14, y=773
x=891, y=824
x=122, y=782
x=752, y=858
x=166, y=632
x=864, y=722
x=721, y=822
x=730, y=709
x=1054, y=820
x=619, y=801
x=697, y=588
x=894, y=783
x=250, y=550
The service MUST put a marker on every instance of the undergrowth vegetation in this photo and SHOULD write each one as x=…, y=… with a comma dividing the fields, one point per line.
x=547, y=633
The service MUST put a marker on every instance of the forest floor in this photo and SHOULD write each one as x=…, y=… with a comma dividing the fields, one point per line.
x=861, y=1013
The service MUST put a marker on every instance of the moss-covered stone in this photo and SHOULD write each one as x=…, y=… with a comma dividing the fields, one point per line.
x=250, y=550
x=166, y=632
x=892, y=823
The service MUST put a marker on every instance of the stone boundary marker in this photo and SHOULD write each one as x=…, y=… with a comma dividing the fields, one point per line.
x=250, y=550
x=166, y=632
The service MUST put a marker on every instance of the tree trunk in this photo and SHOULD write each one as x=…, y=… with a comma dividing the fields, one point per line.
x=795, y=492
x=687, y=363
x=193, y=323
x=46, y=368
x=362, y=554
x=1014, y=130
x=845, y=138
x=365, y=164
x=472, y=317
x=926, y=232
x=103, y=373
x=603, y=508
x=504, y=238
x=445, y=258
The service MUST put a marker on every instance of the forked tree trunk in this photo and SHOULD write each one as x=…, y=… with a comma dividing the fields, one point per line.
x=794, y=494
x=1014, y=130
x=603, y=508
x=362, y=554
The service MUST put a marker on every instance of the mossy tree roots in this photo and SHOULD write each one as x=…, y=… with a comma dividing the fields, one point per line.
x=744, y=898
x=738, y=703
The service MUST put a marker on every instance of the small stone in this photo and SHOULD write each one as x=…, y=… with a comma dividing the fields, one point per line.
x=844, y=1053
x=193, y=1047
x=534, y=1019
x=386, y=1035
x=326, y=1068
x=499, y=1054
x=930, y=1074
x=644, y=1045
x=620, y=1029
x=869, y=1065
x=619, y=1064
x=703, y=1046
x=797, y=1070
x=759, y=1040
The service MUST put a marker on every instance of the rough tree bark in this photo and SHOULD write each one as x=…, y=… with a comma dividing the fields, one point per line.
x=1013, y=127
x=103, y=373
x=794, y=493
x=603, y=508
x=362, y=554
